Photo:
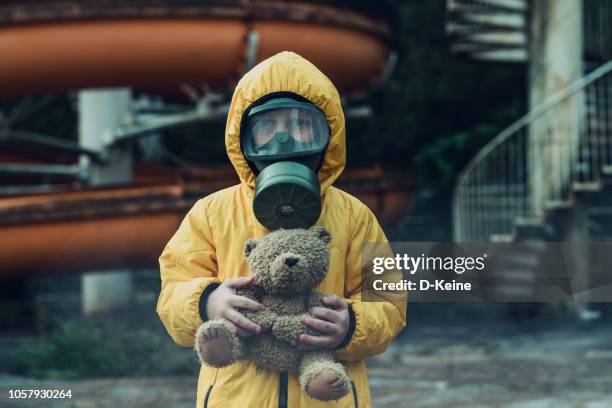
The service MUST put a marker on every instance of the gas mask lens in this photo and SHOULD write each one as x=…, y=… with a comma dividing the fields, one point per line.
x=285, y=132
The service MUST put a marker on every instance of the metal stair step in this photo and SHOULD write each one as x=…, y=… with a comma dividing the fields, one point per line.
x=501, y=238
x=509, y=6
x=486, y=21
x=557, y=213
x=531, y=229
x=502, y=55
x=520, y=5
x=515, y=276
x=606, y=170
x=586, y=186
x=508, y=292
x=558, y=205
x=518, y=258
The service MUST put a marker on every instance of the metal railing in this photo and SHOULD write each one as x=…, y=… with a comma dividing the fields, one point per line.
x=534, y=162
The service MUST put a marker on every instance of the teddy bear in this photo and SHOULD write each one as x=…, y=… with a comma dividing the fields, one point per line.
x=286, y=265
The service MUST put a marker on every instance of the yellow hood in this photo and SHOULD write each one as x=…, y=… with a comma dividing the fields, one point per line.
x=288, y=72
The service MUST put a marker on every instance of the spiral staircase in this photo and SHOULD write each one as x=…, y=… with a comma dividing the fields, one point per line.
x=542, y=178
x=547, y=177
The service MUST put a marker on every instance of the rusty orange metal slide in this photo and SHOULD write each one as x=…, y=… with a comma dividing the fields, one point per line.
x=157, y=46
x=105, y=228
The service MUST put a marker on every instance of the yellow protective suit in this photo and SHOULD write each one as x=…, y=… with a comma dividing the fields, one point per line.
x=208, y=248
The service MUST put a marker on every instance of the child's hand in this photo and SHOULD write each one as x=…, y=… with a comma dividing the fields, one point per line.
x=332, y=320
x=223, y=303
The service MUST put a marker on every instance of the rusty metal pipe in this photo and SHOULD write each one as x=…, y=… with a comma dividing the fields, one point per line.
x=109, y=228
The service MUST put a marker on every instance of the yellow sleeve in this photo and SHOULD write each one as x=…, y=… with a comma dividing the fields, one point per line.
x=376, y=323
x=188, y=265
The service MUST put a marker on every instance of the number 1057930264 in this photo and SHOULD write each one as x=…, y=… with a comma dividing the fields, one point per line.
x=42, y=394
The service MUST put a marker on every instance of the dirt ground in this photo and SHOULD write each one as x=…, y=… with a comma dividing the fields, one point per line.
x=557, y=368
x=468, y=364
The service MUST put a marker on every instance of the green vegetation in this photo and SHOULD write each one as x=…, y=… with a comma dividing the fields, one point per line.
x=103, y=347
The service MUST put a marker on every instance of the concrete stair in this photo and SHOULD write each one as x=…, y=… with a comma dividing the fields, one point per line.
x=533, y=251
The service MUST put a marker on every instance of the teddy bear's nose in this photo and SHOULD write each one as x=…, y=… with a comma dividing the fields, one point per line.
x=290, y=261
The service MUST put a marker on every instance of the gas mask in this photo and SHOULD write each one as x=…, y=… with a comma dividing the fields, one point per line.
x=284, y=141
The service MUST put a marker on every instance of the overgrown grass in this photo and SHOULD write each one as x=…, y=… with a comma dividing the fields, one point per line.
x=104, y=346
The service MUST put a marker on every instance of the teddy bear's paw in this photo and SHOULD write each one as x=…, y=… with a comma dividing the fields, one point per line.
x=214, y=345
x=327, y=386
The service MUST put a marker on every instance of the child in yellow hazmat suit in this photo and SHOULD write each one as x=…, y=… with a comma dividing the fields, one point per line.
x=204, y=261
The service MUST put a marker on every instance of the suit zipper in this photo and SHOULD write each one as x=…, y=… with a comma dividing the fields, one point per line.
x=355, y=397
x=207, y=396
x=282, y=391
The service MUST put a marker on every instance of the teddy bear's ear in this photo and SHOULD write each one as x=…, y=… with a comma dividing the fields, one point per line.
x=249, y=246
x=322, y=233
